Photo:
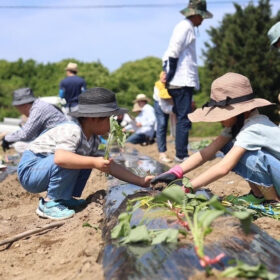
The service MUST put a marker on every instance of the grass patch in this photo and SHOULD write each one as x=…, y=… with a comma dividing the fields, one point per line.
x=203, y=129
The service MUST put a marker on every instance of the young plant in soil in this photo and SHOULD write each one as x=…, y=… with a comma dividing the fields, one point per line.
x=116, y=135
x=195, y=214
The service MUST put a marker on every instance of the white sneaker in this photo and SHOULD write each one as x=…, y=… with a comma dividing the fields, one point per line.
x=179, y=160
x=164, y=159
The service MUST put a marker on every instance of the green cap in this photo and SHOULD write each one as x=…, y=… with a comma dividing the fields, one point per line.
x=197, y=7
x=274, y=33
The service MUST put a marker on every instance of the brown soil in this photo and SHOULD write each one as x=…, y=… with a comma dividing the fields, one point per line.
x=72, y=250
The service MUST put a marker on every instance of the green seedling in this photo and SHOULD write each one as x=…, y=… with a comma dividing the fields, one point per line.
x=116, y=135
x=244, y=270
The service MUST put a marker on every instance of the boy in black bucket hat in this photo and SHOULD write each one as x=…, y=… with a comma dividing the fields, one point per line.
x=60, y=160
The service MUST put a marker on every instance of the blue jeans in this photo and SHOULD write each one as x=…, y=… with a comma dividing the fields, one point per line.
x=38, y=173
x=137, y=138
x=162, y=125
x=258, y=167
x=182, y=98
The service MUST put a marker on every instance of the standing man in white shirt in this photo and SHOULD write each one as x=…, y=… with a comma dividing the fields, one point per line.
x=180, y=66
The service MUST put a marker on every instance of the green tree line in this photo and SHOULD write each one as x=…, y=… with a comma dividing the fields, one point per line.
x=129, y=80
x=239, y=44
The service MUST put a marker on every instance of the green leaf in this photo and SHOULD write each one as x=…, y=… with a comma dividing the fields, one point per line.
x=174, y=193
x=245, y=218
x=231, y=272
x=122, y=229
x=101, y=146
x=242, y=215
x=169, y=235
x=248, y=271
x=216, y=204
x=187, y=183
x=138, y=234
x=205, y=218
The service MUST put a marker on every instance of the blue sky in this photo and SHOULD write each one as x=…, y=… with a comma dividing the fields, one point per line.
x=112, y=36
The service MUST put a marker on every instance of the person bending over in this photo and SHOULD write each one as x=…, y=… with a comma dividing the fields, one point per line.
x=60, y=160
x=249, y=140
x=40, y=117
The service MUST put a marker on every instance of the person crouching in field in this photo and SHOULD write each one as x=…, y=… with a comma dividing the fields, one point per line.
x=249, y=140
x=60, y=160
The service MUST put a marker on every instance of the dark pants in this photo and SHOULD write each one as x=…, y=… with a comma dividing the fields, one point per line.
x=137, y=138
x=162, y=124
x=182, y=98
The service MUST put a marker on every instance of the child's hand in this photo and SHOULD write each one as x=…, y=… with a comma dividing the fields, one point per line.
x=102, y=164
x=147, y=181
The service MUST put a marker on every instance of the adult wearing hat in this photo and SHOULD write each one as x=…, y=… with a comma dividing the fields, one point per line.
x=145, y=121
x=274, y=35
x=71, y=87
x=40, y=117
x=180, y=66
x=60, y=160
x=250, y=141
x=274, y=38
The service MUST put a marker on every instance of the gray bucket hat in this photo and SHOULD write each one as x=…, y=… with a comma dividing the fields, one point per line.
x=274, y=33
x=197, y=7
x=97, y=102
x=23, y=96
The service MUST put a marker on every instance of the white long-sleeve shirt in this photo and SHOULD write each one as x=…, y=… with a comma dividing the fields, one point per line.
x=147, y=119
x=182, y=46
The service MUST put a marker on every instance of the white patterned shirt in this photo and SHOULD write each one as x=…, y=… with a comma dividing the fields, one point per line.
x=66, y=136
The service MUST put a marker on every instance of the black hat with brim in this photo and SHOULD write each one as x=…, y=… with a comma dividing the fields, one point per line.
x=97, y=102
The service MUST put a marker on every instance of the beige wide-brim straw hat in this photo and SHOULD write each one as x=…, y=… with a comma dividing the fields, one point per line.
x=231, y=95
x=141, y=97
x=71, y=66
x=97, y=102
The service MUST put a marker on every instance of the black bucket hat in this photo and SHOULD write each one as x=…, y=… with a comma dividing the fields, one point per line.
x=23, y=96
x=97, y=102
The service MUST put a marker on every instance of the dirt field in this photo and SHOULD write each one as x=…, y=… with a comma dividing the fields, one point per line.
x=71, y=251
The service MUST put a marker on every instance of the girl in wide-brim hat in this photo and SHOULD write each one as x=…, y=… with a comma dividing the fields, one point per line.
x=249, y=140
